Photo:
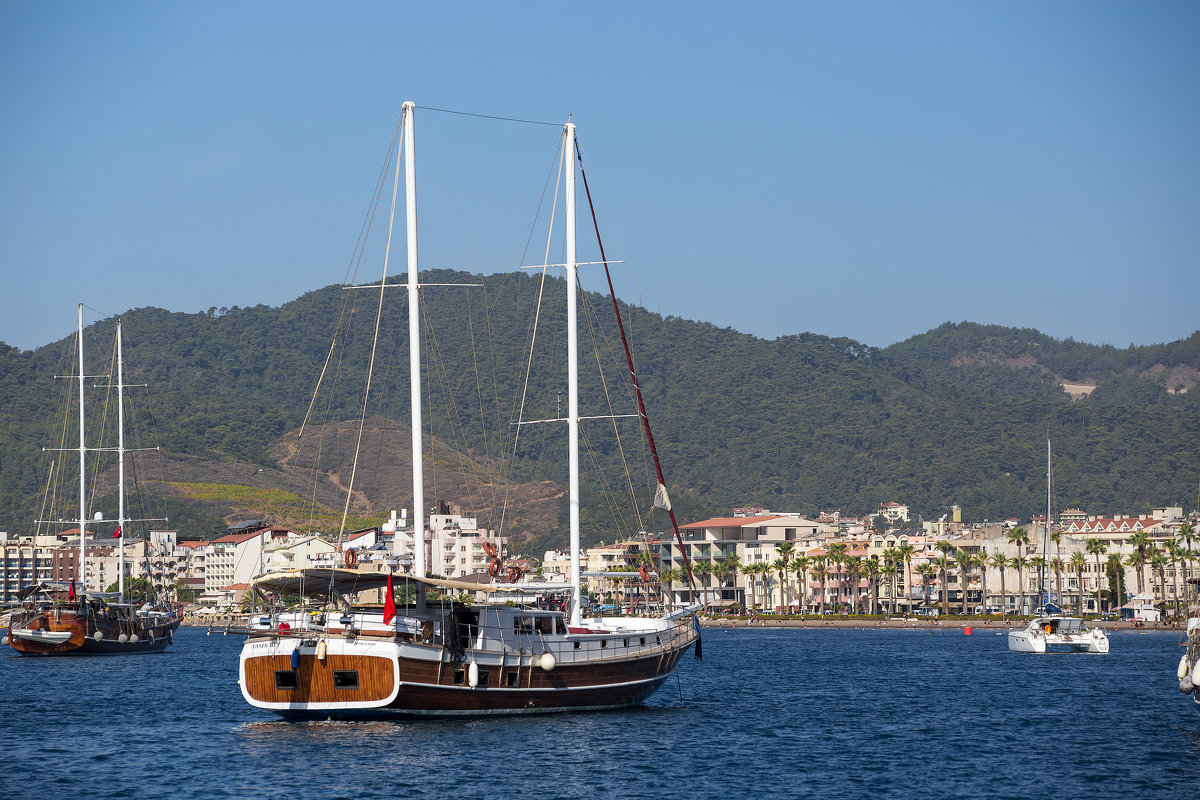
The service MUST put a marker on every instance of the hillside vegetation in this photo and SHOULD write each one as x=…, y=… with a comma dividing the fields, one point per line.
x=958, y=415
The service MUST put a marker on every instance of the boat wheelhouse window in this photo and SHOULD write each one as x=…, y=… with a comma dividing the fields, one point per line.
x=484, y=675
x=543, y=624
x=285, y=679
x=560, y=626
x=460, y=677
x=345, y=679
x=510, y=679
x=522, y=624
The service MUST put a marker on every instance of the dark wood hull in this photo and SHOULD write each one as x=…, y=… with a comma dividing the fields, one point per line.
x=394, y=680
x=82, y=641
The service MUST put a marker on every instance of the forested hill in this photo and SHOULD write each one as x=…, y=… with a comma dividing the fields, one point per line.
x=958, y=415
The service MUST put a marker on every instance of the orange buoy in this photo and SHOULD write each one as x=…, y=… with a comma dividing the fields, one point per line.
x=967, y=630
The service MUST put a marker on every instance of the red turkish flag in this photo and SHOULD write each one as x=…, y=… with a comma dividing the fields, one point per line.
x=117, y=533
x=389, y=605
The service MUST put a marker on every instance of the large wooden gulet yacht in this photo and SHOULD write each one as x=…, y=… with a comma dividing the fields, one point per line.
x=513, y=648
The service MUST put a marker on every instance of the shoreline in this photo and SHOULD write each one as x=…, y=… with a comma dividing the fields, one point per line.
x=900, y=623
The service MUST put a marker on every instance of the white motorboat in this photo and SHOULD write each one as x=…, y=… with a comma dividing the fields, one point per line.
x=1055, y=633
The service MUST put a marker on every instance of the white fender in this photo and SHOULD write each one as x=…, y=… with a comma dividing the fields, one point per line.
x=1183, y=667
x=473, y=675
x=547, y=661
x=1185, y=684
x=321, y=647
x=98, y=635
x=122, y=638
x=133, y=637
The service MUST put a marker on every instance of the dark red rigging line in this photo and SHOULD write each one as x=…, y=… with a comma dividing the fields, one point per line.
x=633, y=372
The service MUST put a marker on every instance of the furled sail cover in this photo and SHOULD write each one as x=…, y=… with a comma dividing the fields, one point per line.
x=661, y=500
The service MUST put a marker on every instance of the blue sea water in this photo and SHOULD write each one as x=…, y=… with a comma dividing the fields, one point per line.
x=767, y=713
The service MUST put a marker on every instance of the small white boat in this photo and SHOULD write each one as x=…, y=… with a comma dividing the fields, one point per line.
x=1057, y=634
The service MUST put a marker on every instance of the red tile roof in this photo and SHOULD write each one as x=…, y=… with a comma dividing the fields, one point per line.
x=730, y=522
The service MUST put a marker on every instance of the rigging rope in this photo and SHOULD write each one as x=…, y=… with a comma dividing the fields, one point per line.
x=632, y=372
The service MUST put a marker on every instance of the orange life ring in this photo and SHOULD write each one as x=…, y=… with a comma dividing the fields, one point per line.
x=514, y=574
x=1047, y=629
x=490, y=549
x=494, y=567
x=645, y=573
x=351, y=558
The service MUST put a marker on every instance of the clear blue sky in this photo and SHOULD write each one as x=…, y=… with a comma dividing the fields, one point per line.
x=860, y=169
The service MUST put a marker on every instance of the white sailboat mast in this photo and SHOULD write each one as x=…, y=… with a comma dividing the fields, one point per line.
x=82, y=462
x=414, y=340
x=120, y=467
x=572, y=367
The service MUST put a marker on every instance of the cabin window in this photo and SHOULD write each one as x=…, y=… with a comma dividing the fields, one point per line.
x=460, y=677
x=543, y=624
x=523, y=625
x=642, y=641
x=510, y=680
x=483, y=679
x=604, y=642
x=625, y=643
x=577, y=645
x=285, y=679
x=560, y=626
x=345, y=679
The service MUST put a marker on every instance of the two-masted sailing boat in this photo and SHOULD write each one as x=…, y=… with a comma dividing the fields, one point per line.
x=528, y=648
x=1049, y=630
x=63, y=618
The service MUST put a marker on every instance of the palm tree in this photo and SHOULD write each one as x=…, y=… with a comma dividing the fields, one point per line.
x=668, y=576
x=703, y=569
x=800, y=567
x=924, y=570
x=965, y=561
x=854, y=565
x=943, y=564
x=1078, y=563
x=1176, y=554
x=837, y=556
x=905, y=553
x=1096, y=546
x=889, y=570
x=727, y=570
x=1000, y=561
x=1057, y=565
x=819, y=563
x=1038, y=563
x=890, y=559
x=1158, y=564
x=872, y=570
x=780, y=566
x=1114, y=565
x=1020, y=537
x=785, y=550
x=1141, y=542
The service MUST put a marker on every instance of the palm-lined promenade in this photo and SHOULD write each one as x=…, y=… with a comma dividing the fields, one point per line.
x=1132, y=567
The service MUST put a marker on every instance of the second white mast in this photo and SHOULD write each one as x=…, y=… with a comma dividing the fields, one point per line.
x=414, y=341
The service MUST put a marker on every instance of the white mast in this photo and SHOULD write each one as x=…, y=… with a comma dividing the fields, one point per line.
x=120, y=468
x=572, y=368
x=414, y=344
x=82, y=463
